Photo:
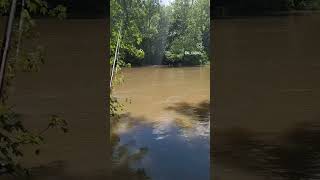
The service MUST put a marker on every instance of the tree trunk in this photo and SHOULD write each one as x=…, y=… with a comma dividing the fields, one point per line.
x=115, y=57
x=5, y=46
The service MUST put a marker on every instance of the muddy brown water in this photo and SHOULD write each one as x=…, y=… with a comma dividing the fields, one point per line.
x=166, y=114
x=266, y=122
x=71, y=84
x=267, y=92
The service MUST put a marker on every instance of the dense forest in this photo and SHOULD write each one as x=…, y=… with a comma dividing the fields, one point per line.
x=76, y=8
x=154, y=34
x=253, y=7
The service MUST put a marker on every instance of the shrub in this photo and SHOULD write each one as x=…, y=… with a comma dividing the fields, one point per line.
x=188, y=59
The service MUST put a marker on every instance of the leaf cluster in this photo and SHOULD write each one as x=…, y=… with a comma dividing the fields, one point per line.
x=14, y=136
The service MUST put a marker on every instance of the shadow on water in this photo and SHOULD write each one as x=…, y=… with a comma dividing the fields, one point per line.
x=121, y=164
x=166, y=123
x=54, y=170
x=122, y=157
x=199, y=112
x=293, y=155
x=141, y=146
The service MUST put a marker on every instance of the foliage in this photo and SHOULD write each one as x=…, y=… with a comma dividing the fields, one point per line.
x=248, y=7
x=189, y=31
x=25, y=54
x=303, y=4
x=123, y=16
x=115, y=108
x=189, y=59
x=152, y=28
x=14, y=136
x=36, y=7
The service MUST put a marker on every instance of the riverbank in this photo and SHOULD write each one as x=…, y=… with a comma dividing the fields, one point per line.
x=269, y=14
x=167, y=66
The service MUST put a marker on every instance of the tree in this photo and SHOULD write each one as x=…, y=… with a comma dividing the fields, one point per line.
x=189, y=31
x=150, y=27
x=124, y=15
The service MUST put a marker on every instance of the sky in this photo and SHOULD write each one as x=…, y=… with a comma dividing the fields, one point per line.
x=166, y=2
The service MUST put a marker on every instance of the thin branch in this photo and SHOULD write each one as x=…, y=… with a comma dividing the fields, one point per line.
x=5, y=47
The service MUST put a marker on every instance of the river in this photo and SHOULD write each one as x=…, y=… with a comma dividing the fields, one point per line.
x=266, y=122
x=71, y=83
x=166, y=114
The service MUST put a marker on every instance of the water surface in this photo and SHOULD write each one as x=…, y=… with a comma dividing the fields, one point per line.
x=167, y=115
x=267, y=98
x=71, y=84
